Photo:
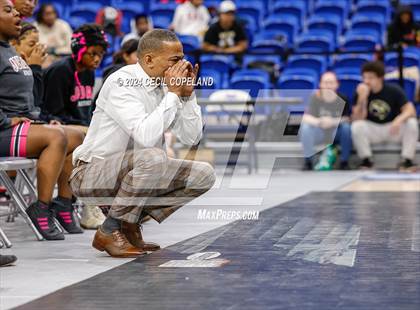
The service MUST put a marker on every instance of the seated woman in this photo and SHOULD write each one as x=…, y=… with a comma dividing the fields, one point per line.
x=54, y=32
x=326, y=118
x=21, y=135
x=68, y=83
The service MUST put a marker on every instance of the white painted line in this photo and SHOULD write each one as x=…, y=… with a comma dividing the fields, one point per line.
x=326, y=243
x=296, y=234
x=201, y=242
x=213, y=263
x=67, y=260
x=415, y=241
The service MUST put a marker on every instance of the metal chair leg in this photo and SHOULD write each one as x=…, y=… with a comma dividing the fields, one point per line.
x=20, y=202
x=6, y=240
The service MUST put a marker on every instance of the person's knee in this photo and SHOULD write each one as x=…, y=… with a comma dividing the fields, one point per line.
x=206, y=177
x=411, y=127
x=153, y=160
x=307, y=131
x=57, y=138
x=358, y=128
x=77, y=136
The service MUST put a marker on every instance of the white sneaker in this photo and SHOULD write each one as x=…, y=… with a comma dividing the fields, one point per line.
x=92, y=217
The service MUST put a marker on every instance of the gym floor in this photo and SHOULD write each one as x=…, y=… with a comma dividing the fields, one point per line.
x=322, y=241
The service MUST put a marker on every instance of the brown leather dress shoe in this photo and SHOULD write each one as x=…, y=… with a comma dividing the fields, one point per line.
x=133, y=234
x=115, y=244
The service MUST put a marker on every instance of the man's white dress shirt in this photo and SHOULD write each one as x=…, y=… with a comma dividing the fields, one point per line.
x=128, y=112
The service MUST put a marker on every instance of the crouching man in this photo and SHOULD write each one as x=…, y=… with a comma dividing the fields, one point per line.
x=123, y=157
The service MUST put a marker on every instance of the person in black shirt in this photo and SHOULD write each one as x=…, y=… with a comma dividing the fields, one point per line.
x=404, y=30
x=328, y=116
x=68, y=93
x=227, y=35
x=382, y=114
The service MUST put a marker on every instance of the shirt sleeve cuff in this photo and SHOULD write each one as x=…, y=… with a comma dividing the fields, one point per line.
x=190, y=106
x=172, y=101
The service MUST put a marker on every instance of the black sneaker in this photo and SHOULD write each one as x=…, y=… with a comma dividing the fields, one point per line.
x=43, y=219
x=407, y=165
x=366, y=164
x=6, y=260
x=308, y=165
x=344, y=165
x=64, y=212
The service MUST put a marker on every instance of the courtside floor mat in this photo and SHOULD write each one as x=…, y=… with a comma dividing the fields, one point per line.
x=325, y=250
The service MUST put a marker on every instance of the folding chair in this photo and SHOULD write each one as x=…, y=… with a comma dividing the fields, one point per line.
x=20, y=165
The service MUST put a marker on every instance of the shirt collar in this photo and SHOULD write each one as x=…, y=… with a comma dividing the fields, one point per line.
x=143, y=77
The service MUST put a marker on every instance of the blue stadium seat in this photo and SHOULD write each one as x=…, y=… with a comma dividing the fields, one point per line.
x=348, y=85
x=190, y=43
x=269, y=42
x=85, y=10
x=64, y=3
x=166, y=10
x=369, y=21
x=296, y=8
x=256, y=10
x=252, y=73
x=338, y=8
x=76, y=21
x=360, y=40
x=315, y=43
x=351, y=60
x=409, y=59
x=347, y=3
x=129, y=10
x=248, y=22
x=311, y=72
x=316, y=62
x=409, y=87
x=250, y=58
x=288, y=24
x=347, y=70
x=222, y=63
x=161, y=21
x=252, y=83
x=156, y=5
x=107, y=61
x=331, y=23
x=374, y=6
x=217, y=78
x=101, y=2
x=212, y=3
x=296, y=82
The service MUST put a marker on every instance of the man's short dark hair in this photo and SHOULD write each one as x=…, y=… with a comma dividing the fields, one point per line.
x=376, y=67
x=152, y=40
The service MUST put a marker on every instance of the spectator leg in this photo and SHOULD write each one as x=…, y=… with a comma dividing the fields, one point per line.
x=310, y=136
x=409, y=136
x=49, y=145
x=344, y=139
x=75, y=138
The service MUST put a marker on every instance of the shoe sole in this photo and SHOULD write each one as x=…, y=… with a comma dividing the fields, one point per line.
x=97, y=245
